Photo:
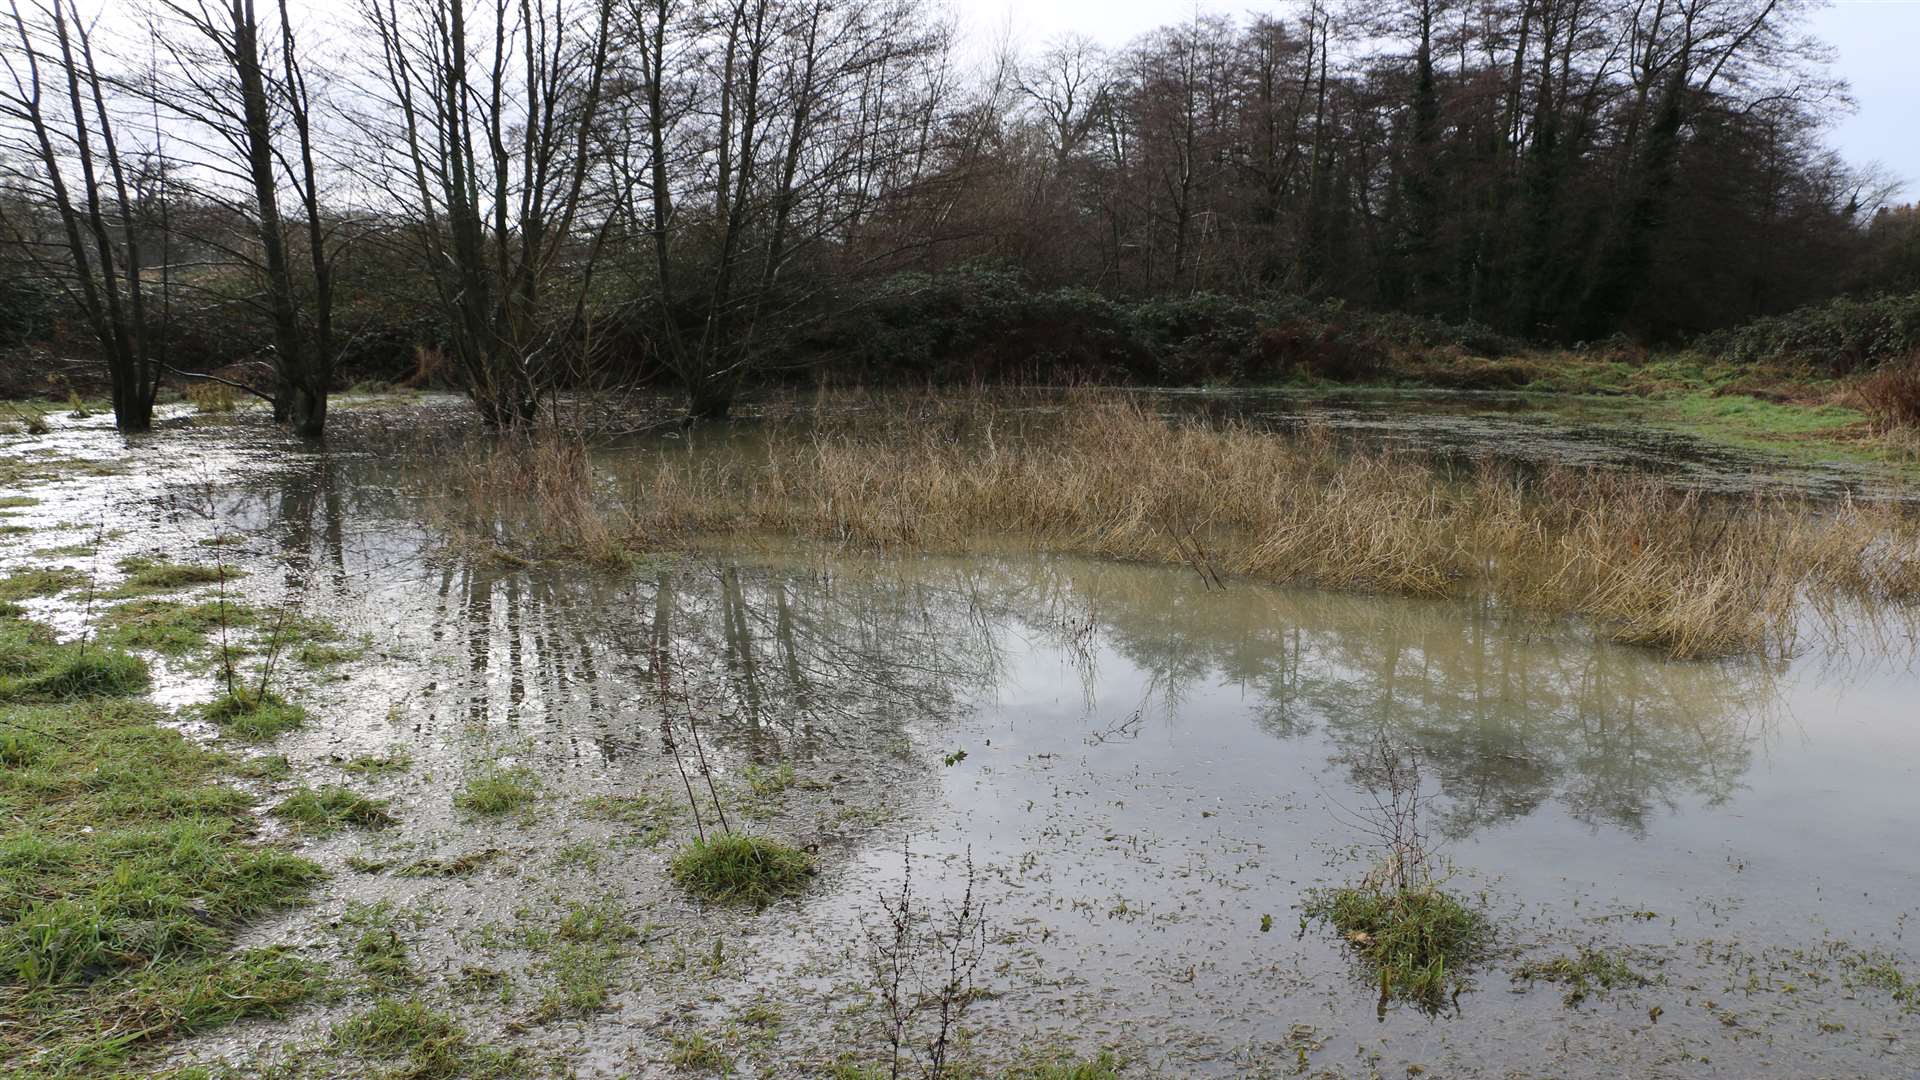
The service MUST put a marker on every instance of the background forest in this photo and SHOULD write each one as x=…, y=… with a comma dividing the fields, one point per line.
x=514, y=196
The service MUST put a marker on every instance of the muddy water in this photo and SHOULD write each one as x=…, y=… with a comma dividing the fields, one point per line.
x=1138, y=767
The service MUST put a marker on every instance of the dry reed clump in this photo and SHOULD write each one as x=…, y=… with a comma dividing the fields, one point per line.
x=519, y=496
x=1891, y=395
x=1661, y=567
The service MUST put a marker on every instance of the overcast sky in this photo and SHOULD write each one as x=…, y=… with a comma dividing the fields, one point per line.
x=1878, y=43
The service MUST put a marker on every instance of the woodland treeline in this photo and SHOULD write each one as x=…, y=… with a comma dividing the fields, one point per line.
x=523, y=195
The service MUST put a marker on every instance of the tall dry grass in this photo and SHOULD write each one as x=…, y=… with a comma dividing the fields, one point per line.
x=510, y=498
x=1675, y=570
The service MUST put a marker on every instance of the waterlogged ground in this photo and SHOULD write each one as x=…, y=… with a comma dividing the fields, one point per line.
x=1147, y=776
x=1712, y=444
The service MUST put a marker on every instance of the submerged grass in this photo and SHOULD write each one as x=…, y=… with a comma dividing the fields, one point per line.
x=172, y=627
x=422, y=1043
x=1587, y=972
x=39, y=581
x=153, y=575
x=732, y=868
x=1676, y=570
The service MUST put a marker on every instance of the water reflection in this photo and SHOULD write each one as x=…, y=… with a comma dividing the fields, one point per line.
x=792, y=652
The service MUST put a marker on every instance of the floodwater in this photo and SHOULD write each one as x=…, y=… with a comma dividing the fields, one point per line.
x=1146, y=774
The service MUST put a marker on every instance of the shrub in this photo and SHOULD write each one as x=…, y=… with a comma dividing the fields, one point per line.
x=733, y=868
x=1841, y=336
x=1891, y=395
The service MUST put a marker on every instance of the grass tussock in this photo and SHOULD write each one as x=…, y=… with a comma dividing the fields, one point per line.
x=732, y=868
x=330, y=809
x=1675, y=570
x=35, y=667
x=1417, y=940
x=496, y=790
x=541, y=489
x=252, y=715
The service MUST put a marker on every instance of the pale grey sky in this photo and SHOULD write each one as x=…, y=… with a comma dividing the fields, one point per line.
x=1878, y=42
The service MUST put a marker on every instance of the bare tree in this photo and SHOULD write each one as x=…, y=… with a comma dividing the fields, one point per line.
x=244, y=84
x=95, y=192
x=484, y=135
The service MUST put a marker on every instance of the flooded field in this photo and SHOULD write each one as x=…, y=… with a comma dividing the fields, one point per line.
x=1142, y=774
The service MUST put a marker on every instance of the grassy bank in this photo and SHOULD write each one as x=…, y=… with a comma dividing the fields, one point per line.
x=1673, y=570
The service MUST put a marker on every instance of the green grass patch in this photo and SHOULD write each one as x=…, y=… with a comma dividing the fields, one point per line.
x=1102, y=1066
x=374, y=945
x=1417, y=942
x=581, y=956
x=1878, y=971
x=16, y=502
x=172, y=627
x=40, y=581
x=34, y=667
x=253, y=716
x=422, y=1043
x=126, y=871
x=1587, y=972
x=1756, y=416
x=153, y=575
x=397, y=760
x=733, y=868
x=694, y=1052
x=496, y=790
x=330, y=809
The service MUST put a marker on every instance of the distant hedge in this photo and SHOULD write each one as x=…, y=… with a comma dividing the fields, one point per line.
x=1841, y=336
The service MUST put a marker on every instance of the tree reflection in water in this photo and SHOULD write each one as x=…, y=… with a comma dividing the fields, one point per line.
x=795, y=652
